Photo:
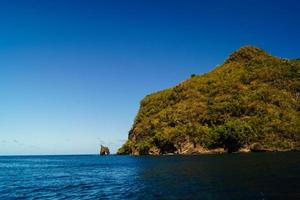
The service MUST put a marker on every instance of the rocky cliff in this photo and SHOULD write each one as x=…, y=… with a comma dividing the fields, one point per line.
x=104, y=151
x=251, y=102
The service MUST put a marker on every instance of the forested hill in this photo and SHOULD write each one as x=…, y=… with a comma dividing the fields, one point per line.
x=251, y=102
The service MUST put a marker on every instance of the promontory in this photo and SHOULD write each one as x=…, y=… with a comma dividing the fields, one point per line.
x=249, y=103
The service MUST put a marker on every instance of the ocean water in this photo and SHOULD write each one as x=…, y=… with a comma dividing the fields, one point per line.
x=226, y=176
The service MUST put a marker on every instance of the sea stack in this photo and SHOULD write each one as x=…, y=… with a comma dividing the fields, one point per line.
x=104, y=151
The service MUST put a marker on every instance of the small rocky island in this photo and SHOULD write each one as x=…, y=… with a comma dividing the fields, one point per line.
x=249, y=103
x=104, y=151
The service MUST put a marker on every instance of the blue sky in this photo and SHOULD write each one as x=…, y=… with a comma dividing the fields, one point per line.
x=72, y=73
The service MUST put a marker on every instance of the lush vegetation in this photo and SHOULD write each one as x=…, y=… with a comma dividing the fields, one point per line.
x=252, y=98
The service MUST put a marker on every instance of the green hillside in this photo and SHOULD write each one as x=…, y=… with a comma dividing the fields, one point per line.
x=251, y=101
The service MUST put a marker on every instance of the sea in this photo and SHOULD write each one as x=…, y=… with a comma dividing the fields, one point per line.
x=225, y=176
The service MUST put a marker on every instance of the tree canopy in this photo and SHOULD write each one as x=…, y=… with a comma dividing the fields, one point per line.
x=252, y=98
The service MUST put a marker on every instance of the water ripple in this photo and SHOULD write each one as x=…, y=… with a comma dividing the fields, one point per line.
x=235, y=176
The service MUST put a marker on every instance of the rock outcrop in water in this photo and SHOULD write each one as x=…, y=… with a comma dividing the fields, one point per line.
x=104, y=151
x=250, y=103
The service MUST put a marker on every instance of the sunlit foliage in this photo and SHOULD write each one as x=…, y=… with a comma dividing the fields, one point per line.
x=253, y=97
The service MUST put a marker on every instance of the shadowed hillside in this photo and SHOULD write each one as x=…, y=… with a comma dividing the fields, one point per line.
x=251, y=102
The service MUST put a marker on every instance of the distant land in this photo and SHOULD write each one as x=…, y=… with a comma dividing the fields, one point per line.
x=249, y=103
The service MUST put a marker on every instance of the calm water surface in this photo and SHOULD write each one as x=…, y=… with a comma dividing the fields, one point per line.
x=228, y=176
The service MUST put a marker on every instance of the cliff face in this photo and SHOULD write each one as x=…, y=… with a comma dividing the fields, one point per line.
x=104, y=150
x=252, y=100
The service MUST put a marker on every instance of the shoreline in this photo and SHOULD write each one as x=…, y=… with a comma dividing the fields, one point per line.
x=214, y=153
x=218, y=151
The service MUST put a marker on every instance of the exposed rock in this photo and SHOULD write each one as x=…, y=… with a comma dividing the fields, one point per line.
x=245, y=149
x=257, y=147
x=135, y=152
x=104, y=151
x=154, y=150
x=186, y=147
x=217, y=150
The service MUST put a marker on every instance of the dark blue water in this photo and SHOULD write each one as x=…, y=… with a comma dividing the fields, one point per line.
x=228, y=176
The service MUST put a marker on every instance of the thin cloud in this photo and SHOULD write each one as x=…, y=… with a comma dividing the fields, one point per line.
x=18, y=143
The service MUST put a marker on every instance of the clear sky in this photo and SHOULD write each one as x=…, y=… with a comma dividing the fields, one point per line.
x=72, y=73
